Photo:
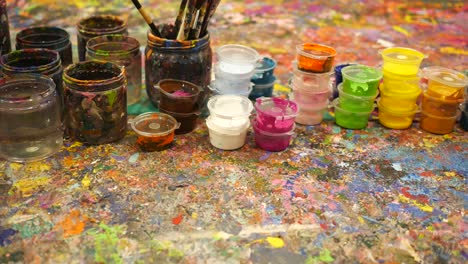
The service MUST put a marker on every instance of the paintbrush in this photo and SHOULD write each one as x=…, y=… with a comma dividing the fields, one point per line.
x=202, y=6
x=212, y=5
x=198, y=14
x=180, y=16
x=189, y=15
x=148, y=20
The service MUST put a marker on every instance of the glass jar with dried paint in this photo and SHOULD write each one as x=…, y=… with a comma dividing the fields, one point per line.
x=123, y=50
x=97, y=26
x=181, y=60
x=30, y=124
x=96, y=102
x=5, y=45
x=53, y=38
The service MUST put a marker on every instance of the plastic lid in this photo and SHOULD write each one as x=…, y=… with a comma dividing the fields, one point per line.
x=314, y=50
x=237, y=54
x=154, y=124
x=266, y=64
x=266, y=133
x=445, y=76
x=361, y=73
x=403, y=55
x=276, y=107
x=356, y=97
x=230, y=106
x=336, y=104
x=300, y=72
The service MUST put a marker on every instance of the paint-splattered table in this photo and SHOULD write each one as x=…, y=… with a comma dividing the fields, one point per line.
x=336, y=195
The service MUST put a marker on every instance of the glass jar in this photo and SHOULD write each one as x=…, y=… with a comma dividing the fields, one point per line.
x=181, y=60
x=30, y=123
x=29, y=61
x=95, y=95
x=123, y=50
x=53, y=38
x=5, y=45
x=96, y=26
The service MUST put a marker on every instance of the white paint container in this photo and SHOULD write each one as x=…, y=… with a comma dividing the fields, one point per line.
x=234, y=81
x=230, y=106
x=227, y=134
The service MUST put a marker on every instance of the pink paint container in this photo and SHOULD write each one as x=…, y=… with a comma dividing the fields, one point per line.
x=275, y=115
x=272, y=141
x=310, y=117
x=314, y=82
x=310, y=99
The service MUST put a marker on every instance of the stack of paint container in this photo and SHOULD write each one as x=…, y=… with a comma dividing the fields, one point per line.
x=234, y=68
x=441, y=99
x=400, y=90
x=274, y=123
x=357, y=94
x=228, y=121
x=311, y=81
x=179, y=99
x=263, y=79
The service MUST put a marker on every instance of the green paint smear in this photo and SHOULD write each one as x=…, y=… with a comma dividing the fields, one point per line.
x=106, y=240
x=35, y=226
x=324, y=256
x=111, y=97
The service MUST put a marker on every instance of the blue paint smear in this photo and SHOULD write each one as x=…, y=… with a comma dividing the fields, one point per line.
x=5, y=235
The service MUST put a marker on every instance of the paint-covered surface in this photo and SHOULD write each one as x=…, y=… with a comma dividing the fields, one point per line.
x=335, y=195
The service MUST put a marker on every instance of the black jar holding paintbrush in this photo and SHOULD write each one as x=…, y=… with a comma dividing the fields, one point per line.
x=188, y=60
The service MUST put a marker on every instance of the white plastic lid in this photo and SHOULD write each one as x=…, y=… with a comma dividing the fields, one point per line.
x=446, y=76
x=230, y=106
x=237, y=54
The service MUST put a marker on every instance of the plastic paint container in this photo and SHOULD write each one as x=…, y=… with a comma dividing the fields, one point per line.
x=310, y=81
x=53, y=38
x=95, y=98
x=439, y=107
x=315, y=100
x=30, y=118
x=464, y=117
x=123, y=50
x=402, y=61
x=314, y=57
x=356, y=103
x=445, y=83
x=338, y=75
x=178, y=96
x=437, y=124
x=232, y=82
x=350, y=119
x=263, y=73
x=361, y=80
x=188, y=121
x=227, y=134
x=399, y=101
x=155, y=130
x=262, y=90
x=237, y=59
x=310, y=117
x=396, y=119
x=272, y=141
x=274, y=114
x=214, y=89
x=229, y=106
x=400, y=83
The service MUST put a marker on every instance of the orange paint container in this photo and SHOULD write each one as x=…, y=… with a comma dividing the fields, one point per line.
x=155, y=130
x=437, y=124
x=312, y=57
x=439, y=107
x=445, y=83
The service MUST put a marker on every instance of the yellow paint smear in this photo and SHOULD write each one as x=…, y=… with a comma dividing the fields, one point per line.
x=401, y=30
x=27, y=186
x=422, y=207
x=275, y=242
x=73, y=224
x=37, y=166
x=452, y=50
x=85, y=181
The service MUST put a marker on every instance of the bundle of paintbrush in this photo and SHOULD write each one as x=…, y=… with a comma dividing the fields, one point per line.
x=193, y=18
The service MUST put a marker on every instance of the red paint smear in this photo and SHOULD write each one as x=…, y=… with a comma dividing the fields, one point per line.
x=324, y=226
x=377, y=168
x=178, y=219
x=420, y=197
x=427, y=174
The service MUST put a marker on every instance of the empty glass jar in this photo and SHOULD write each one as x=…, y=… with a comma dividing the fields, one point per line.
x=95, y=96
x=30, y=123
x=96, y=26
x=53, y=38
x=123, y=50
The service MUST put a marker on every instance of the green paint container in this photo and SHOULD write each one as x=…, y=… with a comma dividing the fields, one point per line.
x=358, y=103
x=350, y=119
x=361, y=80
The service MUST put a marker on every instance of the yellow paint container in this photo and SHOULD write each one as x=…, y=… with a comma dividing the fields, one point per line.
x=401, y=61
x=437, y=124
x=397, y=100
x=400, y=83
x=445, y=83
x=396, y=119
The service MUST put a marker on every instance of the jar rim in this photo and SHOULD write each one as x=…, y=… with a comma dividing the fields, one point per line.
x=155, y=41
x=93, y=30
x=112, y=38
x=14, y=56
x=28, y=101
x=25, y=33
x=76, y=83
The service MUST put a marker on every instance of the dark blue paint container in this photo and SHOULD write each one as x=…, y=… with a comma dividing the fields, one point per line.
x=262, y=90
x=264, y=72
x=464, y=117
